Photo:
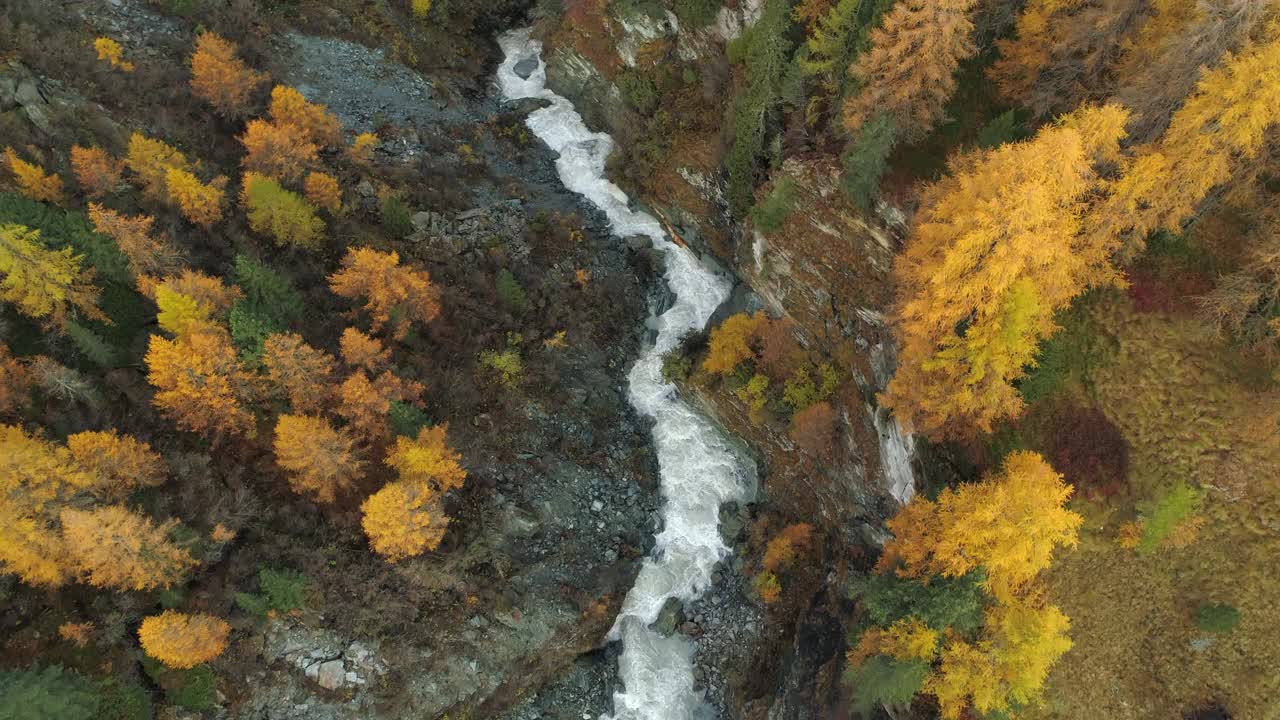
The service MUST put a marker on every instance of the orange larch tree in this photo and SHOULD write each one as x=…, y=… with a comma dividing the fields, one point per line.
x=428, y=459
x=403, y=519
x=302, y=373
x=220, y=78
x=149, y=256
x=183, y=641
x=200, y=383
x=322, y=190
x=121, y=464
x=394, y=294
x=365, y=404
x=321, y=460
x=278, y=150
x=98, y=173
x=361, y=351
x=909, y=70
x=114, y=547
x=32, y=180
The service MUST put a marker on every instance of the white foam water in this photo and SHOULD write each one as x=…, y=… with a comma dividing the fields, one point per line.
x=699, y=470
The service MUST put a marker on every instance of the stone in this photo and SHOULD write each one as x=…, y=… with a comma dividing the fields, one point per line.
x=28, y=93
x=421, y=221
x=526, y=67
x=596, y=506
x=331, y=675
x=668, y=617
x=636, y=243
x=38, y=118
x=365, y=189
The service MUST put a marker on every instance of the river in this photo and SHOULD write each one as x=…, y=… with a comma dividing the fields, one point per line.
x=699, y=470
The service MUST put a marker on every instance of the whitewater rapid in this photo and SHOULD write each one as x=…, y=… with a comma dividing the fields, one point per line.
x=699, y=469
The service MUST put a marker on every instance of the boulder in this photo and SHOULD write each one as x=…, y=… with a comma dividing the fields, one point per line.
x=526, y=67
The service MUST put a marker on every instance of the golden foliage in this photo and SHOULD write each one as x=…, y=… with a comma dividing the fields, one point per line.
x=32, y=180
x=149, y=256
x=321, y=460
x=78, y=633
x=200, y=383
x=314, y=120
x=284, y=216
x=909, y=639
x=220, y=78
x=117, y=548
x=365, y=404
x=421, y=8
x=730, y=343
x=200, y=203
x=279, y=150
x=1129, y=534
x=322, y=190
x=222, y=534
x=178, y=312
x=37, y=478
x=183, y=641
x=151, y=160
x=1009, y=524
x=768, y=587
x=120, y=463
x=361, y=150
x=909, y=70
x=109, y=51
x=206, y=290
x=43, y=283
x=394, y=294
x=98, y=173
x=1007, y=666
x=995, y=251
x=781, y=550
x=428, y=459
x=1222, y=122
x=362, y=351
x=403, y=519
x=300, y=371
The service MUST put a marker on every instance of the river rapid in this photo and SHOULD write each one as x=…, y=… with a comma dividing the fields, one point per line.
x=699, y=469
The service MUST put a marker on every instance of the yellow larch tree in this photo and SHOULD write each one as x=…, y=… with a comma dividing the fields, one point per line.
x=110, y=52
x=1223, y=122
x=183, y=641
x=151, y=160
x=200, y=383
x=1006, y=667
x=178, y=312
x=298, y=371
x=1009, y=524
x=394, y=294
x=43, y=283
x=149, y=256
x=205, y=289
x=909, y=70
x=403, y=519
x=428, y=459
x=731, y=343
x=321, y=460
x=32, y=180
x=279, y=150
x=319, y=126
x=220, y=78
x=120, y=463
x=200, y=203
x=994, y=251
x=114, y=547
x=362, y=147
x=98, y=173
x=37, y=478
